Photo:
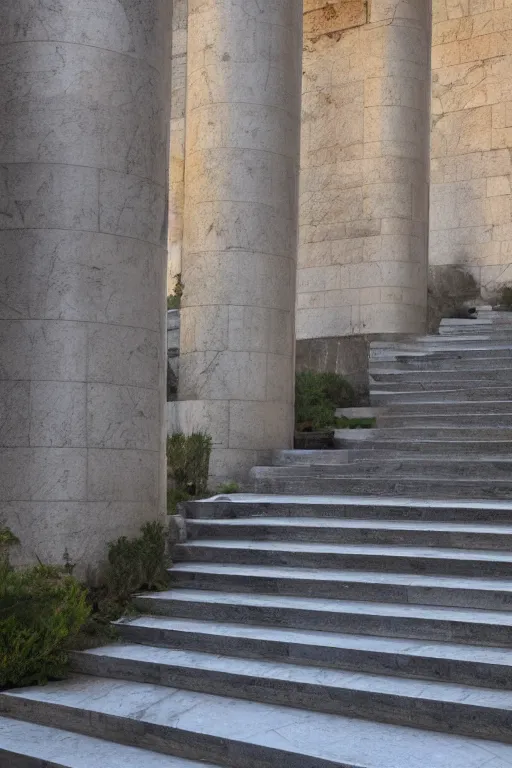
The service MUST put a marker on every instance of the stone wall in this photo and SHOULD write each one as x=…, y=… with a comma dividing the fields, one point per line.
x=470, y=213
x=177, y=138
x=364, y=158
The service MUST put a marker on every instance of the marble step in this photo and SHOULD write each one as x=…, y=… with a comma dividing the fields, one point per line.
x=361, y=507
x=457, y=450
x=407, y=465
x=367, y=586
x=449, y=707
x=402, y=383
x=446, y=420
x=304, y=457
x=419, y=354
x=430, y=433
x=28, y=745
x=418, y=364
x=450, y=407
x=242, y=734
x=380, y=397
x=434, y=379
x=399, y=485
x=451, y=662
x=347, y=531
x=367, y=557
x=446, y=624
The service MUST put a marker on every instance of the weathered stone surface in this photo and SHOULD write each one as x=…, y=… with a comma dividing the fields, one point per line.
x=83, y=147
x=363, y=194
x=470, y=210
x=238, y=267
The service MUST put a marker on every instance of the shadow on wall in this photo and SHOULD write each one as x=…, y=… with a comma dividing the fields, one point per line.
x=451, y=289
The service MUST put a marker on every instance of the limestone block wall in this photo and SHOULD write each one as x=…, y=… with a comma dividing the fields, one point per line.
x=177, y=139
x=364, y=168
x=470, y=212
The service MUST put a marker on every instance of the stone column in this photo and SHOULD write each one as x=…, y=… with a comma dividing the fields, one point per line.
x=83, y=188
x=364, y=169
x=238, y=269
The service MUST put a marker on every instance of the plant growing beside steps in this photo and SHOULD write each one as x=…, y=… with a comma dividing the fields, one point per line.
x=317, y=396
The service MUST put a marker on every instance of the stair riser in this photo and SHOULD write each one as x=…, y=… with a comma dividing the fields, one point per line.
x=458, y=449
x=449, y=421
x=304, y=458
x=496, y=407
x=216, y=510
x=322, y=534
x=364, y=562
x=363, y=438
x=373, y=662
x=164, y=739
x=405, y=468
x=441, y=396
x=10, y=760
x=419, y=356
x=434, y=363
x=385, y=707
x=438, y=379
x=350, y=623
x=421, y=489
x=347, y=590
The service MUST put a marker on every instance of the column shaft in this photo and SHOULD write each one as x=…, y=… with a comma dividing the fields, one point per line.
x=238, y=269
x=83, y=188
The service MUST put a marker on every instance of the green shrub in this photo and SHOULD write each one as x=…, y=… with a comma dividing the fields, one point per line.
x=317, y=395
x=174, y=299
x=188, y=459
x=41, y=611
x=137, y=564
x=506, y=297
x=229, y=487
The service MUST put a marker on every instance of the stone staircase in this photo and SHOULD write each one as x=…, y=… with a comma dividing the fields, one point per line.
x=355, y=611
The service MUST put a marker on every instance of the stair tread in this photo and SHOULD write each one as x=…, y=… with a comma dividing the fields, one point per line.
x=447, y=553
x=329, y=574
x=312, y=675
x=361, y=501
x=334, y=522
x=409, y=646
x=323, y=739
x=73, y=750
x=474, y=615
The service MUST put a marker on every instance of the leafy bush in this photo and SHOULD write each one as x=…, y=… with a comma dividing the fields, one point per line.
x=317, y=395
x=137, y=564
x=41, y=611
x=368, y=422
x=506, y=297
x=188, y=459
x=174, y=299
x=229, y=487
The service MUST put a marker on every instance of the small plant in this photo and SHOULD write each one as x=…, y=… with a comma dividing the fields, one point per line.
x=229, y=487
x=317, y=395
x=174, y=299
x=41, y=612
x=137, y=564
x=506, y=297
x=188, y=459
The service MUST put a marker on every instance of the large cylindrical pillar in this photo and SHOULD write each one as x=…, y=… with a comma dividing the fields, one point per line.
x=364, y=174
x=238, y=268
x=83, y=188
